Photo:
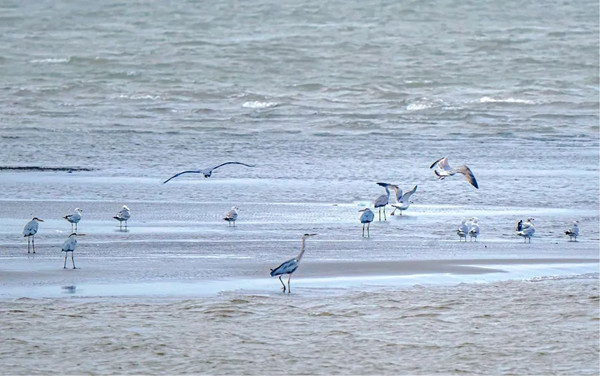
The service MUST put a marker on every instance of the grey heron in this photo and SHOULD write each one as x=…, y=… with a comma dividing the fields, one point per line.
x=366, y=218
x=29, y=231
x=445, y=170
x=74, y=218
x=381, y=201
x=290, y=266
x=69, y=246
x=474, y=229
x=573, y=231
x=527, y=230
x=206, y=172
x=123, y=216
x=402, y=200
x=231, y=216
x=462, y=230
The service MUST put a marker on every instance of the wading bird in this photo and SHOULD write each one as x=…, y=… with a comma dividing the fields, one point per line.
x=445, y=170
x=69, y=246
x=206, y=172
x=123, y=216
x=290, y=266
x=366, y=218
x=381, y=201
x=474, y=229
x=29, y=231
x=231, y=215
x=463, y=230
x=527, y=230
x=74, y=218
x=573, y=231
x=402, y=200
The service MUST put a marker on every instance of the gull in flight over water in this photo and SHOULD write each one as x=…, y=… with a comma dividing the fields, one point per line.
x=206, y=172
x=402, y=200
x=527, y=229
x=74, y=218
x=573, y=231
x=231, y=215
x=290, y=266
x=445, y=170
x=381, y=201
x=366, y=218
x=31, y=228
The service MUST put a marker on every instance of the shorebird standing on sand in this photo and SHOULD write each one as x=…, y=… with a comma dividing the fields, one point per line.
x=366, y=218
x=573, y=231
x=123, y=216
x=29, y=231
x=69, y=246
x=231, y=216
x=74, y=218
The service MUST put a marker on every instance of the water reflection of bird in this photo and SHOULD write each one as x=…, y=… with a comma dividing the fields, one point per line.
x=445, y=170
x=74, y=218
x=291, y=265
x=29, y=231
x=366, y=218
x=206, y=172
x=381, y=201
x=402, y=200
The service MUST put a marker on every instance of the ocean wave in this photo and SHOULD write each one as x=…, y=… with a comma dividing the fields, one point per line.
x=136, y=96
x=259, y=105
x=424, y=104
x=51, y=60
x=505, y=100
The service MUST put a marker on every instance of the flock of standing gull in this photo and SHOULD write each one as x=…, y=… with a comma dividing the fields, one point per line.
x=468, y=227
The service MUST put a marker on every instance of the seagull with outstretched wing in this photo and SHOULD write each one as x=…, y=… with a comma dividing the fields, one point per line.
x=445, y=170
x=206, y=172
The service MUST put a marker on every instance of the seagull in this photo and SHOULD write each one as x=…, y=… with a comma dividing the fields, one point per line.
x=573, y=231
x=29, y=231
x=74, y=218
x=206, y=172
x=446, y=170
x=290, y=266
x=402, y=200
x=383, y=200
x=231, y=215
x=474, y=229
x=463, y=230
x=69, y=246
x=123, y=216
x=366, y=218
x=527, y=230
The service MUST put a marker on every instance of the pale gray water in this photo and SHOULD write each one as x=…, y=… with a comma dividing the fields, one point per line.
x=326, y=100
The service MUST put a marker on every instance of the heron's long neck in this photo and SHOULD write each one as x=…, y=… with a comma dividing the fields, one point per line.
x=301, y=250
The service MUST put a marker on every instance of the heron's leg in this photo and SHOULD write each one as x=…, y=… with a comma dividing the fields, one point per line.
x=73, y=259
x=65, y=264
x=379, y=213
x=75, y=227
x=384, y=217
x=282, y=284
x=363, y=231
x=33, y=243
x=289, y=288
x=28, y=242
x=368, y=233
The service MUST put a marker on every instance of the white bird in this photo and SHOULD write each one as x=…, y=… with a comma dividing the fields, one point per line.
x=402, y=200
x=446, y=170
x=123, y=216
x=381, y=201
x=69, y=246
x=29, y=231
x=366, y=218
x=231, y=215
x=462, y=230
x=527, y=230
x=474, y=229
x=291, y=265
x=573, y=231
x=206, y=172
x=74, y=218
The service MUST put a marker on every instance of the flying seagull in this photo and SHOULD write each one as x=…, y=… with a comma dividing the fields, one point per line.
x=445, y=170
x=402, y=200
x=206, y=172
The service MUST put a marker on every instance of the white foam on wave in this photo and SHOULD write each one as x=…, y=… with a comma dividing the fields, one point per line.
x=258, y=104
x=424, y=103
x=51, y=60
x=505, y=100
x=137, y=96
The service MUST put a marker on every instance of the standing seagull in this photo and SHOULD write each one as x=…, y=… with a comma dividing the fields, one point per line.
x=69, y=246
x=527, y=230
x=206, y=172
x=29, y=231
x=290, y=266
x=402, y=200
x=474, y=229
x=123, y=216
x=366, y=218
x=446, y=170
x=573, y=231
x=231, y=215
x=74, y=218
x=381, y=201
x=462, y=230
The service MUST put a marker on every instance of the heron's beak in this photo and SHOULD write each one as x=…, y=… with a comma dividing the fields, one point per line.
x=40, y=220
x=80, y=234
x=312, y=234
